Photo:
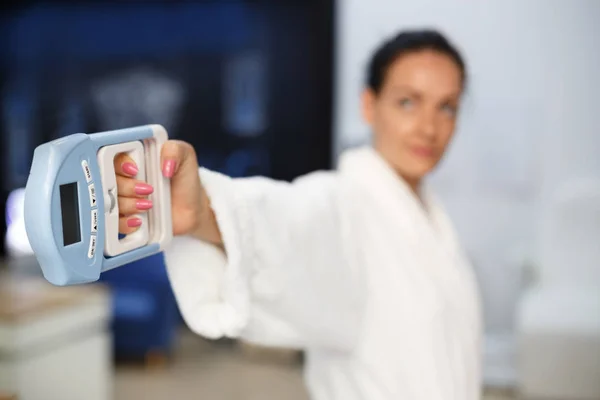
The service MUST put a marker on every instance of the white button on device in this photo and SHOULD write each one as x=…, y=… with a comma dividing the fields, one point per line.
x=92, y=249
x=86, y=171
x=92, y=190
x=95, y=220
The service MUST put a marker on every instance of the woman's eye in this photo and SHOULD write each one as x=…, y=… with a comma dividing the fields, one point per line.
x=405, y=103
x=449, y=109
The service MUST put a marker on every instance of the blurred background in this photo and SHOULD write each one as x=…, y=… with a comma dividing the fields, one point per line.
x=272, y=88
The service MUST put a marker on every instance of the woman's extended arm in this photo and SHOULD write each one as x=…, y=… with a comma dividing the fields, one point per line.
x=256, y=258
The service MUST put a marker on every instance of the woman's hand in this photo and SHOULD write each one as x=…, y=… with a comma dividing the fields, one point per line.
x=191, y=212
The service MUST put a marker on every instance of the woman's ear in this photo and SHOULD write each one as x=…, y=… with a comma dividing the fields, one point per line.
x=368, y=98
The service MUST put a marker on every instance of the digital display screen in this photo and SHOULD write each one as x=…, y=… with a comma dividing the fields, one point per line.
x=69, y=204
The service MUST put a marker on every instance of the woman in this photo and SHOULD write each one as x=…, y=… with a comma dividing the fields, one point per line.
x=360, y=267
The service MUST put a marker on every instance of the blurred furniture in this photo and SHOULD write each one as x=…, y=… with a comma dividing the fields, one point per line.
x=559, y=318
x=145, y=316
x=53, y=341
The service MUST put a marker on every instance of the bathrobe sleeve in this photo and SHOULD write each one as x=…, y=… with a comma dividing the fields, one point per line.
x=285, y=280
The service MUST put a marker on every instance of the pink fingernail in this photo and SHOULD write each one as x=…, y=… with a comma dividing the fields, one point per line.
x=129, y=168
x=134, y=222
x=169, y=168
x=143, y=204
x=143, y=189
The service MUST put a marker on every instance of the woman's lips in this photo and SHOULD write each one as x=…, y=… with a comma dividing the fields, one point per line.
x=423, y=151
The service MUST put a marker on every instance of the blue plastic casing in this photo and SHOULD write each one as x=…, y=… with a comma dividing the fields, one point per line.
x=64, y=161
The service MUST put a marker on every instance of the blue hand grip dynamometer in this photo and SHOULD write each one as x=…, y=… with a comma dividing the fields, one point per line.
x=72, y=210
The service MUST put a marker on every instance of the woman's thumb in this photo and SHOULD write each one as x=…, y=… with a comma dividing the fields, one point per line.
x=173, y=154
x=171, y=158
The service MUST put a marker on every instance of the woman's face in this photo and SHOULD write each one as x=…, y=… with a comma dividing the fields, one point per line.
x=414, y=114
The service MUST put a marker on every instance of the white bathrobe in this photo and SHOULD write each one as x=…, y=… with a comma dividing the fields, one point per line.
x=347, y=265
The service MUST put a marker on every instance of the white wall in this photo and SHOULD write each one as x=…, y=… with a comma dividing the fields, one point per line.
x=529, y=124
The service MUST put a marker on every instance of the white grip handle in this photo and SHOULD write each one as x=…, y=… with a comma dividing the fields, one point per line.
x=114, y=246
x=161, y=224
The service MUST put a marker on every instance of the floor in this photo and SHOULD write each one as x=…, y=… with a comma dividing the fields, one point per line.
x=216, y=371
x=203, y=370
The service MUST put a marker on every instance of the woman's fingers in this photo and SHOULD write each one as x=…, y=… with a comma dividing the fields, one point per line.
x=129, y=187
x=131, y=205
x=130, y=224
x=131, y=194
x=125, y=166
x=129, y=209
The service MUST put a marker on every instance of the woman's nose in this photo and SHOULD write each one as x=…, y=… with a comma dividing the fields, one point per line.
x=427, y=125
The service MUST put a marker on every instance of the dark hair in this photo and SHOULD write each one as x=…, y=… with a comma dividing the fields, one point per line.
x=407, y=42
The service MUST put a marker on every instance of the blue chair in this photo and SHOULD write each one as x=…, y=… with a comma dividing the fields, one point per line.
x=145, y=313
